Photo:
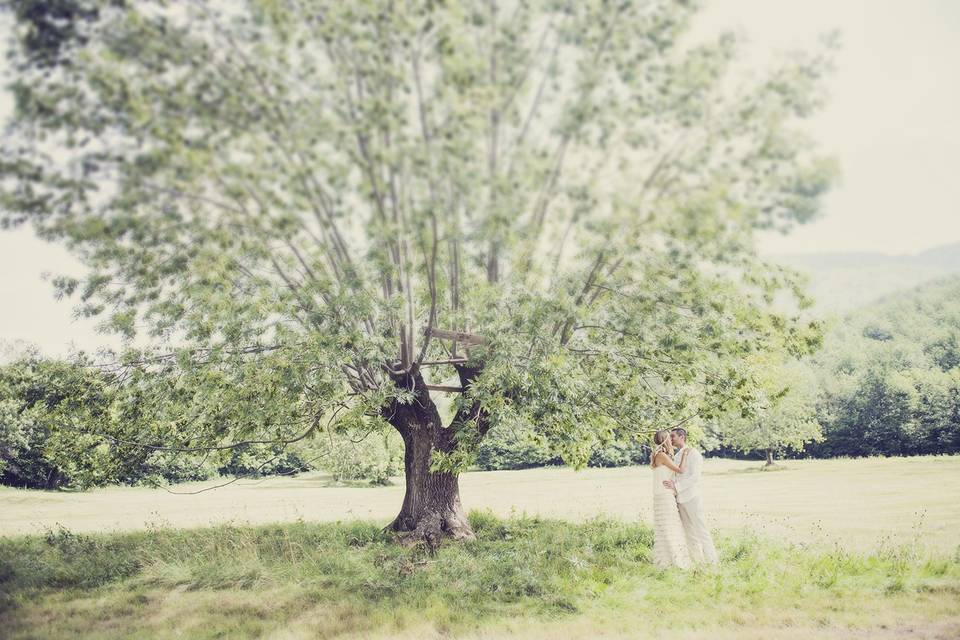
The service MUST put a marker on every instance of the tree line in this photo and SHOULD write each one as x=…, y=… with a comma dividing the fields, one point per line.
x=890, y=378
x=886, y=382
x=62, y=425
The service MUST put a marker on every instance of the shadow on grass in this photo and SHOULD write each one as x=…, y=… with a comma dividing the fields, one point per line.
x=312, y=480
x=760, y=467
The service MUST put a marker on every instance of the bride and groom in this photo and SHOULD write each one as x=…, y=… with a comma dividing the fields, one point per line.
x=680, y=534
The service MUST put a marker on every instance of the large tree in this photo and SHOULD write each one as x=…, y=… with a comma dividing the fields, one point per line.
x=322, y=214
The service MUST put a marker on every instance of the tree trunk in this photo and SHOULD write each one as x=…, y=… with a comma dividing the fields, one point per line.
x=431, y=507
x=769, y=458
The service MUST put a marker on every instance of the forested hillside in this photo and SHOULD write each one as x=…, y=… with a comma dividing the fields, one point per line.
x=889, y=376
x=843, y=282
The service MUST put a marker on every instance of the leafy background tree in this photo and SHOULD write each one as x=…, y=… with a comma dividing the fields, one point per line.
x=48, y=410
x=322, y=216
x=788, y=419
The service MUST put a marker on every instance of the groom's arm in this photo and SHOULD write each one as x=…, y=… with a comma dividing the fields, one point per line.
x=693, y=476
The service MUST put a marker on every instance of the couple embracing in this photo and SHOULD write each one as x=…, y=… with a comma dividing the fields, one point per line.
x=680, y=534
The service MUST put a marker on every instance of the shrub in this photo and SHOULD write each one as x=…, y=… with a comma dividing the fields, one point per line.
x=257, y=460
x=375, y=459
x=513, y=450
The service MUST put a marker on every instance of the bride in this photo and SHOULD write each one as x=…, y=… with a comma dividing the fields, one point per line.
x=669, y=541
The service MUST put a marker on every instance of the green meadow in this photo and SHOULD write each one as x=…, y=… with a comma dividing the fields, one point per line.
x=863, y=548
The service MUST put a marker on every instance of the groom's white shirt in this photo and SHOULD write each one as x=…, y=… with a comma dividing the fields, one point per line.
x=699, y=540
x=688, y=482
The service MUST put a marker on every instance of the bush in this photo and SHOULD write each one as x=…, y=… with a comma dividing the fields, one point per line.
x=520, y=450
x=375, y=459
x=51, y=415
x=620, y=454
x=258, y=460
x=513, y=450
x=62, y=424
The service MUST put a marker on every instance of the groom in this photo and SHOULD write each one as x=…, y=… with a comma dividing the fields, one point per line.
x=687, y=487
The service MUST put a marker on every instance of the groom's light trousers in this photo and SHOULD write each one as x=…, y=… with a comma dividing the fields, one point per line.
x=699, y=540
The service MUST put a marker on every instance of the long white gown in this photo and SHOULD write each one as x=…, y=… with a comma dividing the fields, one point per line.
x=669, y=541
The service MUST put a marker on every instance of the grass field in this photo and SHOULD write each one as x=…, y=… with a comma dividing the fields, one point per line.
x=524, y=577
x=859, y=504
x=859, y=549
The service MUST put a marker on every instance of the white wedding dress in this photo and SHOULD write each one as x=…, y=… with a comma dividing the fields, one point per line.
x=669, y=541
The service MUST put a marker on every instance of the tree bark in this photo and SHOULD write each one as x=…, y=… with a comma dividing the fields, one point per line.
x=769, y=458
x=431, y=509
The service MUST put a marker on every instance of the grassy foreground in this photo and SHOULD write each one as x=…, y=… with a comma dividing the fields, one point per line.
x=524, y=577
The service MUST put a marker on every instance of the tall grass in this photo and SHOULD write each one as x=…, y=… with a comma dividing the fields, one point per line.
x=348, y=578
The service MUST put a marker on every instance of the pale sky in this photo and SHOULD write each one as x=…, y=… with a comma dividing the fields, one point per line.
x=893, y=122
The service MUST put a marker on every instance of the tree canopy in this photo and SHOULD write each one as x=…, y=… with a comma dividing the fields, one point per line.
x=317, y=213
x=889, y=376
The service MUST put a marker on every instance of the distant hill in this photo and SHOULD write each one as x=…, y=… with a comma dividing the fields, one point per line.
x=840, y=282
x=913, y=315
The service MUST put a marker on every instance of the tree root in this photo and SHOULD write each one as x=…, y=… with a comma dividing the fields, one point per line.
x=431, y=530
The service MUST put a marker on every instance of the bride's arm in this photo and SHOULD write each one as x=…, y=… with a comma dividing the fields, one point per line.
x=668, y=463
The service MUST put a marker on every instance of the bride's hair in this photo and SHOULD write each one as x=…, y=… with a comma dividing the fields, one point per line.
x=660, y=440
